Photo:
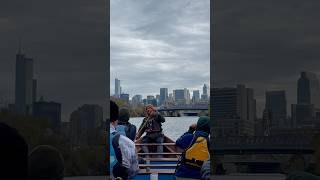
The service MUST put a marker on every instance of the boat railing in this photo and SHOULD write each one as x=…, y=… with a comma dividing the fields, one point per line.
x=155, y=144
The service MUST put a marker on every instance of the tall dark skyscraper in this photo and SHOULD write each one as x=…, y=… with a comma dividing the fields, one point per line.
x=308, y=89
x=117, y=90
x=204, y=95
x=276, y=104
x=163, y=95
x=24, y=84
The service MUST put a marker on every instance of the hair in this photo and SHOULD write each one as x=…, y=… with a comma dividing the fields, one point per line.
x=14, y=153
x=114, y=111
x=124, y=115
x=46, y=162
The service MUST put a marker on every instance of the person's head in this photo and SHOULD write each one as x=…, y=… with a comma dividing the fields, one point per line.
x=150, y=110
x=114, y=113
x=46, y=163
x=124, y=115
x=14, y=153
x=203, y=124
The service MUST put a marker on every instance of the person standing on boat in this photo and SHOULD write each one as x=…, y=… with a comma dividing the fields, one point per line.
x=124, y=126
x=195, y=143
x=152, y=125
x=123, y=156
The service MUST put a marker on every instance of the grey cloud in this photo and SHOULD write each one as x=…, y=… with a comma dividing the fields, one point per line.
x=158, y=44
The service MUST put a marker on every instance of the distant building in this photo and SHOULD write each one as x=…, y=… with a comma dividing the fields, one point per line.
x=163, y=95
x=204, y=95
x=151, y=100
x=303, y=115
x=308, y=91
x=158, y=99
x=179, y=96
x=234, y=111
x=137, y=100
x=125, y=97
x=50, y=111
x=117, y=90
x=24, y=85
x=276, y=104
x=195, y=96
x=86, y=123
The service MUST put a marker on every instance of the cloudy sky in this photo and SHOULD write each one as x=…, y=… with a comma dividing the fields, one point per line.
x=159, y=43
x=66, y=40
x=265, y=44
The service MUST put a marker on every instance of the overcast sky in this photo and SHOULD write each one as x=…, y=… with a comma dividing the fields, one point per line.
x=265, y=44
x=159, y=43
x=66, y=40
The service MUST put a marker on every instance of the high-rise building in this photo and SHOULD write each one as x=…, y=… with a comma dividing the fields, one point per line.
x=195, y=96
x=125, y=97
x=137, y=100
x=308, y=90
x=151, y=100
x=50, y=111
x=179, y=96
x=234, y=111
x=117, y=90
x=204, y=95
x=276, y=104
x=24, y=84
x=163, y=95
x=86, y=122
x=34, y=90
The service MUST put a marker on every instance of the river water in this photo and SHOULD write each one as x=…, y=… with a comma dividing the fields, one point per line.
x=174, y=127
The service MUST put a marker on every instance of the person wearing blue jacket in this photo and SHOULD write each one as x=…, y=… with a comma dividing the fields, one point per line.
x=201, y=129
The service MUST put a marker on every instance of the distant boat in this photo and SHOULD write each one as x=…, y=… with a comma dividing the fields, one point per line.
x=162, y=167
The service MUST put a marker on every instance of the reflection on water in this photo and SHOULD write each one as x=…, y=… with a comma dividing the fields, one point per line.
x=174, y=127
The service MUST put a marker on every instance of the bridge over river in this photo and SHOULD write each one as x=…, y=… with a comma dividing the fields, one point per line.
x=262, y=145
x=183, y=110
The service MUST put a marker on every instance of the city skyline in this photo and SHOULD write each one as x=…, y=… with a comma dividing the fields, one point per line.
x=174, y=56
x=169, y=91
x=68, y=49
x=265, y=45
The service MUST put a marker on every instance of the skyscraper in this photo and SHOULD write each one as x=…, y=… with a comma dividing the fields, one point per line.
x=204, y=95
x=276, y=104
x=86, y=122
x=179, y=96
x=308, y=89
x=234, y=111
x=117, y=90
x=50, y=111
x=24, y=84
x=195, y=96
x=163, y=95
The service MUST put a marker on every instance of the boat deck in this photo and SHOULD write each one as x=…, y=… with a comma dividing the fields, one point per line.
x=162, y=165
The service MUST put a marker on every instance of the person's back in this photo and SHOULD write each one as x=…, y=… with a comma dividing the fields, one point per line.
x=124, y=126
x=46, y=163
x=14, y=154
x=114, y=114
x=127, y=158
x=196, y=150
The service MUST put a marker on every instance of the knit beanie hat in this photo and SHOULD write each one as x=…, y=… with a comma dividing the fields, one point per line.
x=203, y=124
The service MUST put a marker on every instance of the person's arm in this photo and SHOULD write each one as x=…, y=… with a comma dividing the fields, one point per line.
x=185, y=140
x=141, y=129
x=160, y=118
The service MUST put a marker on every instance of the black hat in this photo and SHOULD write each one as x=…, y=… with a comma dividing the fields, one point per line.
x=114, y=111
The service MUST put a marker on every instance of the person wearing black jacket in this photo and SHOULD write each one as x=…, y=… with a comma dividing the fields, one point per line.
x=152, y=125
